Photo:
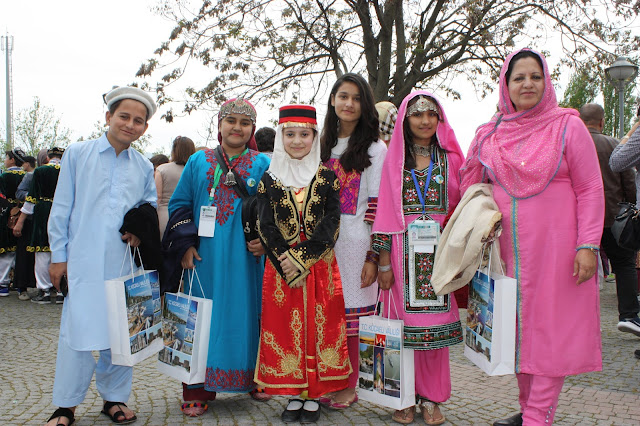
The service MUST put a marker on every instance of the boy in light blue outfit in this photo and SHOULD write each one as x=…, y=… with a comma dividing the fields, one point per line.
x=99, y=182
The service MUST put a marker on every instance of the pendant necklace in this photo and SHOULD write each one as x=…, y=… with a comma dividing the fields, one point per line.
x=230, y=177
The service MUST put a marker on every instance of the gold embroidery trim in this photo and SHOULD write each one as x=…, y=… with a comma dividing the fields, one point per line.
x=289, y=363
x=329, y=256
x=329, y=356
x=278, y=294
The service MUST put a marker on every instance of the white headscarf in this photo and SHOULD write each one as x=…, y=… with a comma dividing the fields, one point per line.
x=294, y=173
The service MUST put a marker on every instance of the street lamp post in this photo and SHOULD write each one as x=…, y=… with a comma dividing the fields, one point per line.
x=619, y=74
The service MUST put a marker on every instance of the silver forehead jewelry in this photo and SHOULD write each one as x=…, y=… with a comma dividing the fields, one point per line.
x=238, y=106
x=422, y=104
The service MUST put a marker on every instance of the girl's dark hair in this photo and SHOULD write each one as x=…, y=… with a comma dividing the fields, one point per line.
x=521, y=55
x=356, y=156
x=182, y=149
x=409, y=159
x=31, y=160
x=265, y=139
x=158, y=160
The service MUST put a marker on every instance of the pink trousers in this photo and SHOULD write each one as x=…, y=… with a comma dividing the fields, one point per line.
x=433, y=375
x=353, y=345
x=538, y=398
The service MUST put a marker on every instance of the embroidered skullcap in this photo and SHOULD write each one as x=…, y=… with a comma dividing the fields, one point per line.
x=16, y=154
x=55, y=151
x=298, y=116
x=237, y=106
x=387, y=115
x=128, y=92
x=423, y=104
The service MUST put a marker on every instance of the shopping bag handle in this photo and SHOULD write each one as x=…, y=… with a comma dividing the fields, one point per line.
x=491, y=250
x=389, y=305
x=136, y=250
x=190, y=276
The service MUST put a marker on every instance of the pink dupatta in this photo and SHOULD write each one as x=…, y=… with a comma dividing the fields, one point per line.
x=390, y=216
x=519, y=150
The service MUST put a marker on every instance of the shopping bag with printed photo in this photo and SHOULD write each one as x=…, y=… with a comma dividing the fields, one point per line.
x=385, y=368
x=134, y=314
x=186, y=322
x=490, y=333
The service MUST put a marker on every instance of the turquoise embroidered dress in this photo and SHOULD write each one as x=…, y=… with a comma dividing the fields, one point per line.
x=231, y=276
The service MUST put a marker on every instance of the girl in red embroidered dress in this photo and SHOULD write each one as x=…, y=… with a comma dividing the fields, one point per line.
x=303, y=344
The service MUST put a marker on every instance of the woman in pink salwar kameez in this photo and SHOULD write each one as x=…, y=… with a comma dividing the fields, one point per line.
x=547, y=184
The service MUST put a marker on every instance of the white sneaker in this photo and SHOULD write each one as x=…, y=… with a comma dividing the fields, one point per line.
x=630, y=325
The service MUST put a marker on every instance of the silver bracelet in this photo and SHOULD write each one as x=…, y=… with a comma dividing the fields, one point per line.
x=384, y=268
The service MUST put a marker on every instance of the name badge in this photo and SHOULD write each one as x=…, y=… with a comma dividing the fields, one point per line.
x=424, y=235
x=207, y=221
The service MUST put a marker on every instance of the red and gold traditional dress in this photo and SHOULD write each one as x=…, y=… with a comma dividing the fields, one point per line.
x=303, y=344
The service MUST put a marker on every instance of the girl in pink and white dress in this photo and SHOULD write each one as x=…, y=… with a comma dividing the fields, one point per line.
x=351, y=148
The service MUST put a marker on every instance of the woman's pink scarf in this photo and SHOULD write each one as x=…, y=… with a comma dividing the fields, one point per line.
x=520, y=151
x=390, y=216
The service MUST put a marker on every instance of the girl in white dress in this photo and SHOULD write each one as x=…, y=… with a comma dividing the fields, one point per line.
x=351, y=148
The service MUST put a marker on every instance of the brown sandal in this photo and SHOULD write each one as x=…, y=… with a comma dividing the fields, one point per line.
x=428, y=410
x=404, y=416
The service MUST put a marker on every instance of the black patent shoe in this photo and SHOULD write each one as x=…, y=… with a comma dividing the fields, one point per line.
x=511, y=421
x=293, y=411
x=310, y=412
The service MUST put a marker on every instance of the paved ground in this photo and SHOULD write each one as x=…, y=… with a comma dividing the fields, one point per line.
x=29, y=334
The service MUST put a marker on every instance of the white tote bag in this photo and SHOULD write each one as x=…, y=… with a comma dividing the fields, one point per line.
x=490, y=333
x=385, y=369
x=134, y=314
x=186, y=323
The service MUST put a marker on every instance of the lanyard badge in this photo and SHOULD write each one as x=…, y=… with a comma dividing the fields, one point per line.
x=423, y=234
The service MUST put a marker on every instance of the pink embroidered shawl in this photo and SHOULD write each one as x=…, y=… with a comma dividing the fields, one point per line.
x=521, y=151
x=390, y=216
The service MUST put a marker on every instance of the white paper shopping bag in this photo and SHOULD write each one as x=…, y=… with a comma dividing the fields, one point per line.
x=133, y=310
x=385, y=368
x=490, y=333
x=186, y=323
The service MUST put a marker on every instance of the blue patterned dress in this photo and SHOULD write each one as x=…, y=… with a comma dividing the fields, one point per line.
x=230, y=275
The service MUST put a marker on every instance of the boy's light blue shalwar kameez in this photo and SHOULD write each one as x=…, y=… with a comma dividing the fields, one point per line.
x=95, y=190
x=230, y=275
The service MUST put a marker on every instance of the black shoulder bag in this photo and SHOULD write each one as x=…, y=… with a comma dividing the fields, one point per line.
x=626, y=228
x=249, y=202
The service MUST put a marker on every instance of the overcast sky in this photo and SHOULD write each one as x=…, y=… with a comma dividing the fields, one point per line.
x=70, y=52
